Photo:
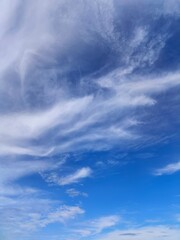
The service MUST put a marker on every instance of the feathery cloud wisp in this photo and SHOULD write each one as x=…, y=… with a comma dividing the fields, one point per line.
x=96, y=226
x=168, y=170
x=75, y=177
x=71, y=81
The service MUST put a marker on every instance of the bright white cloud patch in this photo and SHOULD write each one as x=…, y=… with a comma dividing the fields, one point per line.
x=168, y=170
x=75, y=177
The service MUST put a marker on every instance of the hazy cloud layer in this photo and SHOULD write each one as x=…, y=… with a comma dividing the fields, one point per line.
x=145, y=233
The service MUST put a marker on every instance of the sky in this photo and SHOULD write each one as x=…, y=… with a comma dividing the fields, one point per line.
x=89, y=120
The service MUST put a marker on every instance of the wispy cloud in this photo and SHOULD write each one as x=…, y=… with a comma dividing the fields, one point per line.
x=25, y=209
x=82, y=122
x=13, y=169
x=168, y=169
x=96, y=226
x=75, y=177
x=45, y=105
x=59, y=93
x=75, y=193
x=144, y=233
x=28, y=214
x=61, y=215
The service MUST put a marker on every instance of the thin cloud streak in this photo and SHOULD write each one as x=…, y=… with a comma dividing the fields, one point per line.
x=144, y=233
x=75, y=177
x=168, y=169
x=96, y=226
x=84, y=172
x=80, y=116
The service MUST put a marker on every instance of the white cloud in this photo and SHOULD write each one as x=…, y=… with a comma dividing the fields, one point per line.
x=63, y=214
x=144, y=233
x=168, y=170
x=105, y=222
x=13, y=169
x=75, y=193
x=40, y=98
x=43, y=114
x=96, y=226
x=23, y=208
x=27, y=214
x=17, y=129
x=83, y=122
x=75, y=177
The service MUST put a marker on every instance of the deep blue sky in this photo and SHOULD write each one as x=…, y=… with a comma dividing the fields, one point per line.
x=89, y=120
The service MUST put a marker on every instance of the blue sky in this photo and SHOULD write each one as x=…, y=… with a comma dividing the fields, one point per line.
x=89, y=120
